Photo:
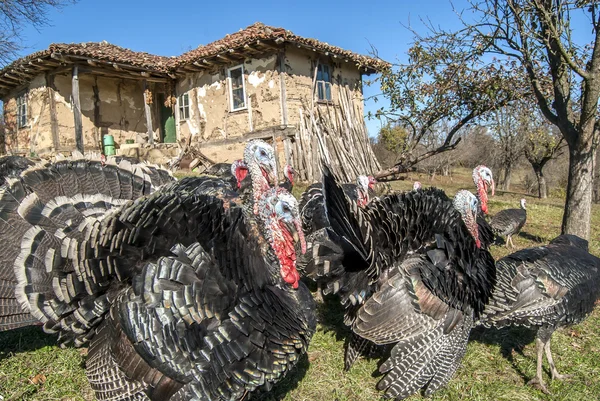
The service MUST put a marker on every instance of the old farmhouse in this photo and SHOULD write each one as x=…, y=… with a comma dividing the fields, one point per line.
x=260, y=82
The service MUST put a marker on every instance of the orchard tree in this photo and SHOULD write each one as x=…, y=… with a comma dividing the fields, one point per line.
x=563, y=74
x=504, y=127
x=542, y=145
x=14, y=15
x=441, y=86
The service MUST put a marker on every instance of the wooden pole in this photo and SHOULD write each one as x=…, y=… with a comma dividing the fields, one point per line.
x=77, y=109
x=148, y=113
x=53, y=117
x=282, y=90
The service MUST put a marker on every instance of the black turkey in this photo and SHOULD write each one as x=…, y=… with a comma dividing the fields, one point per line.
x=411, y=274
x=12, y=166
x=288, y=174
x=545, y=288
x=203, y=294
x=509, y=222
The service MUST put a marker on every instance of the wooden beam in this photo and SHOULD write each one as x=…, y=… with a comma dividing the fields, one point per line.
x=199, y=65
x=227, y=58
x=92, y=63
x=123, y=74
x=172, y=76
x=266, y=45
x=282, y=89
x=53, y=116
x=43, y=64
x=58, y=56
x=148, y=113
x=77, y=109
x=116, y=67
x=267, y=133
x=145, y=74
x=9, y=78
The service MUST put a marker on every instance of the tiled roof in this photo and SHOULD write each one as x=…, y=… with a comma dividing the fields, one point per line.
x=103, y=51
x=18, y=72
x=259, y=31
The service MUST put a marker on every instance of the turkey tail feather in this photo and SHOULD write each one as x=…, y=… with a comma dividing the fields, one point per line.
x=47, y=216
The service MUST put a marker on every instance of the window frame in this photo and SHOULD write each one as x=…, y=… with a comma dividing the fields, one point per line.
x=183, y=107
x=230, y=84
x=324, y=84
x=22, y=103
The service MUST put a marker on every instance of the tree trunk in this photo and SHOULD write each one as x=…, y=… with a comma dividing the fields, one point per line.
x=541, y=179
x=578, y=206
x=507, y=177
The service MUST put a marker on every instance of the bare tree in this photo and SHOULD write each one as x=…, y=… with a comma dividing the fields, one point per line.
x=563, y=74
x=504, y=128
x=441, y=85
x=14, y=15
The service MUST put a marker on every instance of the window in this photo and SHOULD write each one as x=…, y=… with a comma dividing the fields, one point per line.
x=22, y=111
x=184, y=106
x=323, y=82
x=237, y=89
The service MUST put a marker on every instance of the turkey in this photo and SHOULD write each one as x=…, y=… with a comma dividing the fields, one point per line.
x=545, y=288
x=509, y=222
x=484, y=180
x=181, y=295
x=417, y=185
x=12, y=166
x=288, y=173
x=411, y=275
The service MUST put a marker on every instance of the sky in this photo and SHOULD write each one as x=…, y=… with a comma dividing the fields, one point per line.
x=172, y=28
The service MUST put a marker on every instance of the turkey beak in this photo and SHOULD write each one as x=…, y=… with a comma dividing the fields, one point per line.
x=295, y=229
x=269, y=173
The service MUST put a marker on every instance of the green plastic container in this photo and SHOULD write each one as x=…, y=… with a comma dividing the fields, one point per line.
x=109, y=150
x=109, y=140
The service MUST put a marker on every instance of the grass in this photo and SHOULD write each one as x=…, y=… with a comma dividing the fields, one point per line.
x=497, y=365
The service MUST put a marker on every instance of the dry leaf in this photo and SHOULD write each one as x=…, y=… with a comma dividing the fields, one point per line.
x=38, y=379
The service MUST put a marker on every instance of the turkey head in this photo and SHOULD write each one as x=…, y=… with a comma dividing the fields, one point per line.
x=466, y=203
x=283, y=229
x=289, y=173
x=364, y=183
x=484, y=180
x=239, y=170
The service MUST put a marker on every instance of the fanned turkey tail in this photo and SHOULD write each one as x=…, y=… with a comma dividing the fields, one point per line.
x=426, y=361
x=44, y=214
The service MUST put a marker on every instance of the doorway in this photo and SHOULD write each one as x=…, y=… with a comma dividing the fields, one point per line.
x=168, y=131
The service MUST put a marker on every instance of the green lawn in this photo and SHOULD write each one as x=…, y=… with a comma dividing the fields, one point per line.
x=497, y=365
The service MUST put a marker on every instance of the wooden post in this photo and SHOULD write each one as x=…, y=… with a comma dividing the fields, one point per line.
x=53, y=117
x=148, y=115
x=98, y=137
x=282, y=90
x=77, y=110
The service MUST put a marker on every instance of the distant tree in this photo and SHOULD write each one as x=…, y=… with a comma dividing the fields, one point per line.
x=563, y=74
x=14, y=15
x=439, y=85
x=504, y=127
